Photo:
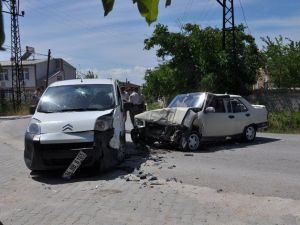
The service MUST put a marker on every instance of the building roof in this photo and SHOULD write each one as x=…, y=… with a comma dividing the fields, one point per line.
x=34, y=62
x=83, y=81
x=24, y=62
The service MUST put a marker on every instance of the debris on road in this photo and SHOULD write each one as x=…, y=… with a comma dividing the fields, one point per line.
x=220, y=190
x=171, y=167
x=188, y=154
x=172, y=179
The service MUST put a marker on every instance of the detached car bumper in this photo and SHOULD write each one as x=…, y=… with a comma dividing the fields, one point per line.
x=45, y=155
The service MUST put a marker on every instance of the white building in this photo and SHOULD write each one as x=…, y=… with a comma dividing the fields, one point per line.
x=35, y=73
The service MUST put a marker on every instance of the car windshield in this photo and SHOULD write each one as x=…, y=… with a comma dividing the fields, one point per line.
x=192, y=100
x=88, y=97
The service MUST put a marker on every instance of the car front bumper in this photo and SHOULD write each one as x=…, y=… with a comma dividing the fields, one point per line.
x=43, y=152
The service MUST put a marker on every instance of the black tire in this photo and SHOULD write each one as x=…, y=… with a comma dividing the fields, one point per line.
x=191, y=141
x=135, y=136
x=249, y=133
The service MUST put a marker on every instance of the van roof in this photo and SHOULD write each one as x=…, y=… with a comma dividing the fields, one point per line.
x=83, y=81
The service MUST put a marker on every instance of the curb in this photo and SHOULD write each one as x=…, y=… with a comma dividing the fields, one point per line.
x=14, y=117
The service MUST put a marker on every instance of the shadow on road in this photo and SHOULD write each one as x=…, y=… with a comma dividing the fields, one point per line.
x=221, y=145
x=134, y=159
x=233, y=145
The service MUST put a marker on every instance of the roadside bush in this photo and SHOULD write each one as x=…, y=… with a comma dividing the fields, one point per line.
x=6, y=109
x=153, y=105
x=284, y=122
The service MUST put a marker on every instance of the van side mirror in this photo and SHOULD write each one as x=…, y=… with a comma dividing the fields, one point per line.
x=32, y=109
x=210, y=110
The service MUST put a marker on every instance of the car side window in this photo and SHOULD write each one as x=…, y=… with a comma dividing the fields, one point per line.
x=237, y=106
x=218, y=104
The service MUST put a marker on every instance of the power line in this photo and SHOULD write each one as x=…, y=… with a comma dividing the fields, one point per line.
x=244, y=16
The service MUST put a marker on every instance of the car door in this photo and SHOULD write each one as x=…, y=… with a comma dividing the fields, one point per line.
x=240, y=115
x=120, y=116
x=217, y=123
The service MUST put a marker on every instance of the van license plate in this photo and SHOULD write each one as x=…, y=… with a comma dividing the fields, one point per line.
x=74, y=165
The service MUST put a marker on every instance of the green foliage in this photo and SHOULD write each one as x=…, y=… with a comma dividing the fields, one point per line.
x=2, y=35
x=282, y=61
x=90, y=75
x=147, y=8
x=153, y=105
x=284, y=122
x=196, y=62
x=6, y=109
x=159, y=83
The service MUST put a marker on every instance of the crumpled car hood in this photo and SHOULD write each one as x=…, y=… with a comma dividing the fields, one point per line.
x=166, y=116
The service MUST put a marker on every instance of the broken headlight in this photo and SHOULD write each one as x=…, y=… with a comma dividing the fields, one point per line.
x=34, y=127
x=139, y=123
x=104, y=123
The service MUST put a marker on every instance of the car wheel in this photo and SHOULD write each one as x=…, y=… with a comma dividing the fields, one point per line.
x=249, y=133
x=191, y=141
x=135, y=136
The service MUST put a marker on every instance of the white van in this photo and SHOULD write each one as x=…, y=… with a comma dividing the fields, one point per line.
x=77, y=115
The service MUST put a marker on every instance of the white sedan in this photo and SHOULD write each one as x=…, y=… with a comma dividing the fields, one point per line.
x=195, y=117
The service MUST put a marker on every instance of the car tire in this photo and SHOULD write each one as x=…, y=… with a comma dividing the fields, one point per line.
x=135, y=136
x=191, y=141
x=249, y=133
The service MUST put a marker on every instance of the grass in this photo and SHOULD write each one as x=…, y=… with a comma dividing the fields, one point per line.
x=6, y=109
x=284, y=122
x=152, y=106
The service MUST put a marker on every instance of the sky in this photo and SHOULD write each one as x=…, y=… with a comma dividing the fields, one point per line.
x=113, y=46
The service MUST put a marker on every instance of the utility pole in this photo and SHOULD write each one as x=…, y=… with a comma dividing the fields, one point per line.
x=48, y=65
x=228, y=22
x=16, y=61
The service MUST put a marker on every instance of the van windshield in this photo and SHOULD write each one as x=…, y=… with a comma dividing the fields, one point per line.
x=88, y=97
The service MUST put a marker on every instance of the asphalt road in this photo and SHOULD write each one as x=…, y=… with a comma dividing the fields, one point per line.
x=270, y=166
x=224, y=183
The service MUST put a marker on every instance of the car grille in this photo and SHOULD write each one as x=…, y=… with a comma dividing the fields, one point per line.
x=64, y=154
x=68, y=146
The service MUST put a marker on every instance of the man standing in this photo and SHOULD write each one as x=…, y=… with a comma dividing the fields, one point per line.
x=136, y=100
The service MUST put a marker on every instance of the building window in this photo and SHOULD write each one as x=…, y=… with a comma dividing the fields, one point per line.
x=4, y=74
x=26, y=73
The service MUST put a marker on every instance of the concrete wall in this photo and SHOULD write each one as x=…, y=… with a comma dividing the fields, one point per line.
x=69, y=71
x=277, y=99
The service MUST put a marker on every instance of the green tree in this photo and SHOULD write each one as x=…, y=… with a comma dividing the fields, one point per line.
x=90, y=75
x=2, y=35
x=198, y=63
x=281, y=57
x=147, y=8
x=159, y=83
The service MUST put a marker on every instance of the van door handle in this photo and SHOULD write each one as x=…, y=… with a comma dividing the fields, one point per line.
x=248, y=114
x=231, y=116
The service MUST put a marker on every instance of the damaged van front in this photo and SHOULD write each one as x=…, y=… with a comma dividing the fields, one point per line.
x=73, y=116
